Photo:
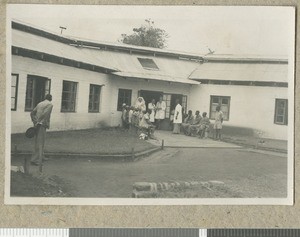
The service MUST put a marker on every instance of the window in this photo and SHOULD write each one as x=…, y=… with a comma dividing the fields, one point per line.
x=94, y=98
x=223, y=102
x=14, y=91
x=184, y=103
x=124, y=97
x=36, y=89
x=148, y=63
x=281, y=112
x=167, y=99
x=68, y=100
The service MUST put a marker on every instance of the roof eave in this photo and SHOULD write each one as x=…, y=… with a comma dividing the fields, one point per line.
x=18, y=51
x=148, y=78
x=103, y=46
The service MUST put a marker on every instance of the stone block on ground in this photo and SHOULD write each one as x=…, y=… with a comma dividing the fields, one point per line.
x=145, y=186
x=152, y=190
x=144, y=194
x=142, y=186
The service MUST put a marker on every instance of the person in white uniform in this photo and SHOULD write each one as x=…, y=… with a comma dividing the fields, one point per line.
x=160, y=112
x=140, y=104
x=152, y=108
x=177, y=118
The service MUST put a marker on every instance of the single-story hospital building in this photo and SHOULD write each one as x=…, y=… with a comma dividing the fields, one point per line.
x=89, y=82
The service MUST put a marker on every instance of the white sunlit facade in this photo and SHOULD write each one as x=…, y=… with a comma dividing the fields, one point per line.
x=90, y=81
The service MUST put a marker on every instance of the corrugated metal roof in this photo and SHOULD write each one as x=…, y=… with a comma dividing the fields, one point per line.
x=170, y=69
x=126, y=62
x=242, y=72
x=149, y=76
x=246, y=58
x=100, y=44
x=129, y=66
x=44, y=45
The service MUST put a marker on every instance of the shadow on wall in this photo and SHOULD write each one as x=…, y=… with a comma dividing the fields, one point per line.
x=103, y=124
x=239, y=131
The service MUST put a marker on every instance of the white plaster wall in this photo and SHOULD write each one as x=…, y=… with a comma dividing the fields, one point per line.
x=250, y=106
x=57, y=73
x=108, y=116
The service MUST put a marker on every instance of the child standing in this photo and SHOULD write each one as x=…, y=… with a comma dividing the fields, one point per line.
x=218, y=123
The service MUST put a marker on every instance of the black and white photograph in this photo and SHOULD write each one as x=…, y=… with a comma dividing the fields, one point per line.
x=149, y=105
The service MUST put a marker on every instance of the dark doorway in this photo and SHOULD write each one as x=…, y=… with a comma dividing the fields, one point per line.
x=170, y=100
x=149, y=95
x=173, y=100
x=182, y=100
x=36, y=89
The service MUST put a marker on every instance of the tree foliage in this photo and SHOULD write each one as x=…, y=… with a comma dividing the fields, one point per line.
x=146, y=35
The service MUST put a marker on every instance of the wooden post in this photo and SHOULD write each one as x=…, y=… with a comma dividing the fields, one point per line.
x=41, y=168
x=41, y=163
x=26, y=165
x=162, y=144
x=16, y=149
x=132, y=153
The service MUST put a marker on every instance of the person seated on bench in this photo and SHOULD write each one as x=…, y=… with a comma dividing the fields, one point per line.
x=204, y=126
x=193, y=128
x=187, y=122
x=146, y=125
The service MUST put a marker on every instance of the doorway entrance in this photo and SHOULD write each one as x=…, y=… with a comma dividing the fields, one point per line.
x=150, y=95
x=170, y=100
x=36, y=89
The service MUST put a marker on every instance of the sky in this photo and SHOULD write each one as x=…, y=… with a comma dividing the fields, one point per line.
x=266, y=31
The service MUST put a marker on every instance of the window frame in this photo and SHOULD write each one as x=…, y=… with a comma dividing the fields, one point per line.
x=93, y=110
x=285, y=116
x=16, y=92
x=220, y=99
x=155, y=68
x=184, y=102
x=33, y=94
x=167, y=97
x=119, y=105
x=34, y=78
x=75, y=99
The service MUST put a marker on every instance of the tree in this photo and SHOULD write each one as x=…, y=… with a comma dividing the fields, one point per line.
x=146, y=35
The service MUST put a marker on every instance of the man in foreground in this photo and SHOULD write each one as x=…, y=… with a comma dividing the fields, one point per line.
x=40, y=117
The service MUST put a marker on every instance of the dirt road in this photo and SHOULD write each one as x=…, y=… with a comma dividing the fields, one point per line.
x=245, y=172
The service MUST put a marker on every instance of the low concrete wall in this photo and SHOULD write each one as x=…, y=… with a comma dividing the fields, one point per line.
x=152, y=190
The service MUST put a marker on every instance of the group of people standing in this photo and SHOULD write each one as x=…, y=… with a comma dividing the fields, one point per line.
x=146, y=119
x=157, y=111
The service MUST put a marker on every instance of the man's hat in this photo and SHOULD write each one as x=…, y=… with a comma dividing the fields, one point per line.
x=30, y=132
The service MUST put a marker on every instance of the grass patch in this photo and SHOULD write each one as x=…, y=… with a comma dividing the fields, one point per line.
x=200, y=191
x=25, y=185
x=102, y=141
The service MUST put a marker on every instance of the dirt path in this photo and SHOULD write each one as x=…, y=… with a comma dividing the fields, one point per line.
x=245, y=173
